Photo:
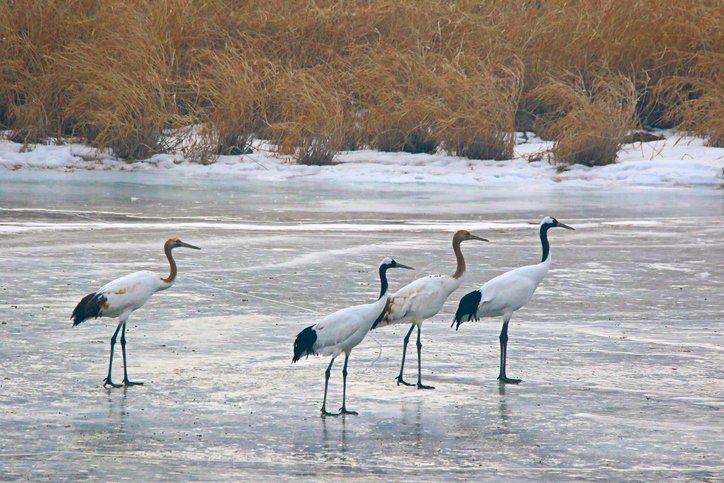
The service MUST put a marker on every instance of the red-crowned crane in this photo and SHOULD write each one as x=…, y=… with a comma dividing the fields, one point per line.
x=341, y=332
x=423, y=299
x=121, y=297
x=506, y=293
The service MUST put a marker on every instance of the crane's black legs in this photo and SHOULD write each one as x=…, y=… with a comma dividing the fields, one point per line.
x=125, y=364
x=108, y=381
x=503, y=351
x=343, y=409
x=404, y=351
x=420, y=385
x=326, y=384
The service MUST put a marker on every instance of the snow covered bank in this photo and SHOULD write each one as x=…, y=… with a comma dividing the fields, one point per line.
x=673, y=161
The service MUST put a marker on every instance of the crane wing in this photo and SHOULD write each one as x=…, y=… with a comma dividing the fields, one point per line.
x=128, y=293
x=506, y=293
x=417, y=299
x=345, y=328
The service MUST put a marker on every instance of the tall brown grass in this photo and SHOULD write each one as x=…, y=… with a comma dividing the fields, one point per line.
x=305, y=117
x=398, y=99
x=33, y=88
x=229, y=92
x=317, y=76
x=589, y=121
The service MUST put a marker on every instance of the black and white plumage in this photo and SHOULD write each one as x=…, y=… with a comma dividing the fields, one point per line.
x=342, y=331
x=422, y=299
x=506, y=293
x=121, y=297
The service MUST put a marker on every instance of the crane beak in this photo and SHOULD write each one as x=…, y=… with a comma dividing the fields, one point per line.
x=473, y=237
x=563, y=225
x=186, y=245
x=399, y=265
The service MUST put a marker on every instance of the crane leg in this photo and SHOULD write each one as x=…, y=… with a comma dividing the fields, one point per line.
x=108, y=381
x=343, y=409
x=420, y=385
x=503, y=352
x=404, y=352
x=326, y=384
x=125, y=364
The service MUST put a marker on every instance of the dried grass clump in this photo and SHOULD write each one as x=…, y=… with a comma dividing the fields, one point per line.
x=33, y=91
x=398, y=95
x=590, y=123
x=229, y=92
x=479, y=117
x=305, y=117
x=695, y=96
x=697, y=106
x=121, y=95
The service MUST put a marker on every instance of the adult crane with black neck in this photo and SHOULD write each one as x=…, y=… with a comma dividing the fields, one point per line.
x=341, y=332
x=506, y=293
x=121, y=297
x=422, y=299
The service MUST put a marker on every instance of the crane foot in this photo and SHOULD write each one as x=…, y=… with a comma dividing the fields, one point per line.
x=326, y=413
x=402, y=381
x=132, y=383
x=108, y=382
x=344, y=410
x=422, y=386
x=508, y=380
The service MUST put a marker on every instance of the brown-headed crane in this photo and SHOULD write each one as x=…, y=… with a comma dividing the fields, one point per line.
x=422, y=299
x=121, y=297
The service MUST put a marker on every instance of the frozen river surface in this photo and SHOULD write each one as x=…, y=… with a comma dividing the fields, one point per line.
x=621, y=350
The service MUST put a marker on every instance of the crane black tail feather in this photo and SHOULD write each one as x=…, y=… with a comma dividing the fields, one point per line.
x=90, y=306
x=304, y=344
x=468, y=308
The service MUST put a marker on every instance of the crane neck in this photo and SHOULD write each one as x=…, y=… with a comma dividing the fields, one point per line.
x=383, y=280
x=460, y=269
x=172, y=263
x=544, y=242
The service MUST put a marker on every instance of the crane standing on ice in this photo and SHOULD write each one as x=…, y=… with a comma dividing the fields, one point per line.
x=422, y=299
x=341, y=332
x=121, y=297
x=508, y=292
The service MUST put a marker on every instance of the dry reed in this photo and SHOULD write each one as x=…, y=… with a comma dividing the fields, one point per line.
x=305, y=117
x=319, y=76
x=589, y=122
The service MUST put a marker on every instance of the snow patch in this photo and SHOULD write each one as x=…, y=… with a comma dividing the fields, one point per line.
x=673, y=161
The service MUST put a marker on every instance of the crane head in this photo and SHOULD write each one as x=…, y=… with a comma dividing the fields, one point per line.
x=174, y=242
x=551, y=222
x=462, y=235
x=392, y=263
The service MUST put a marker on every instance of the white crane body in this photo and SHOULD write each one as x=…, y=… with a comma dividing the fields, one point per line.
x=130, y=292
x=419, y=300
x=510, y=291
x=346, y=328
